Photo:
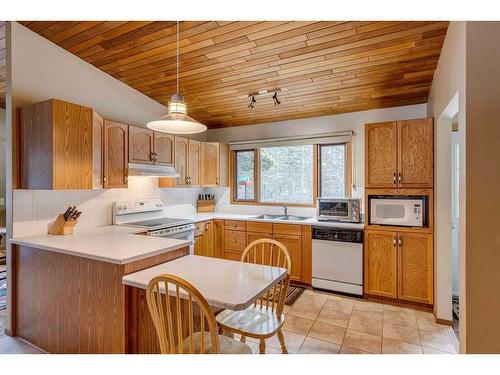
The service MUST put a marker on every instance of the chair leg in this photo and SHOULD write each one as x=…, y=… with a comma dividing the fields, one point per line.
x=243, y=339
x=281, y=338
x=262, y=346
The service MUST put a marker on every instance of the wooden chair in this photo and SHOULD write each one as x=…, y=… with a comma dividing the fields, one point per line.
x=265, y=318
x=179, y=326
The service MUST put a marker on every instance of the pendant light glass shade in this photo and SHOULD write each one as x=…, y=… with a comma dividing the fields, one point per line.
x=177, y=121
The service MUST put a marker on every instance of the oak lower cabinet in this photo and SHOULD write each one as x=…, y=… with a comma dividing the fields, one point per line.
x=400, y=154
x=294, y=246
x=204, y=239
x=239, y=234
x=416, y=266
x=115, y=151
x=399, y=265
x=60, y=146
x=380, y=263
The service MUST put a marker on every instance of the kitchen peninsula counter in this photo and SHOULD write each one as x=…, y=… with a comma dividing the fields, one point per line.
x=68, y=295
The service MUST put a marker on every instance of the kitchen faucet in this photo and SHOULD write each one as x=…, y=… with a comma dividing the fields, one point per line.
x=285, y=209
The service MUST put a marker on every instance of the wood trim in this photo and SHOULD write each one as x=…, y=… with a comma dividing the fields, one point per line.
x=398, y=302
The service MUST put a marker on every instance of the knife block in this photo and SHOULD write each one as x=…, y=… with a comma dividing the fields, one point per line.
x=205, y=205
x=62, y=227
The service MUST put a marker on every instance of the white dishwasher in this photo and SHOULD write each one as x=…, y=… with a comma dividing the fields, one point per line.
x=337, y=259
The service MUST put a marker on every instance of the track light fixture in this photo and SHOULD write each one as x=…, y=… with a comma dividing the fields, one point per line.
x=275, y=98
x=264, y=93
x=252, y=102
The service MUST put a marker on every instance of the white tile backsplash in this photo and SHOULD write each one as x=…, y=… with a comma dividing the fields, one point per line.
x=34, y=210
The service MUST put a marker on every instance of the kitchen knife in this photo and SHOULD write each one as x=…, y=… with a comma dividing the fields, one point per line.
x=66, y=214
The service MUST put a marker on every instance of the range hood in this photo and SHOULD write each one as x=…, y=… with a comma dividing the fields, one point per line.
x=152, y=170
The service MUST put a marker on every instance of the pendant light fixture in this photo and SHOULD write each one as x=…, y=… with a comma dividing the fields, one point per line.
x=177, y=121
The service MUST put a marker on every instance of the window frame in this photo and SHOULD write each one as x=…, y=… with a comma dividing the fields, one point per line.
x=347, y=169
x=316, y=177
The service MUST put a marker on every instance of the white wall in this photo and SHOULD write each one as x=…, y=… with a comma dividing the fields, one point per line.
x=447, y=96
x=348, y=121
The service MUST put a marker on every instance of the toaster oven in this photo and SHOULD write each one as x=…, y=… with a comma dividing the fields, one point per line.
x=339, y=209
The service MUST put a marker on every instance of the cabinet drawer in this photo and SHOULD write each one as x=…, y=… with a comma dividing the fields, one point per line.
x=294, y=229
x=254, y=226
x=198, y=228
x=235, y=225
x=232, y=255
x=234, y=240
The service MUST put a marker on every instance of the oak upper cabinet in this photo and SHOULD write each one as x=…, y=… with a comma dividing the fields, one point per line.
x=399, y=154
x=381, y=154
x=181, y=160
x=149, y=147
x=163, y=148
x=193, y=162
x=380, y=263
x=140, y=145
x=415, y=265
x=187, y=161
x=415, y=153
x=115, y=155
x=214, y=164
x=60, y=146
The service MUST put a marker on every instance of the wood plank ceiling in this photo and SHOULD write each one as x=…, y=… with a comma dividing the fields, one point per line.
x=3, y=72
x=321, y=68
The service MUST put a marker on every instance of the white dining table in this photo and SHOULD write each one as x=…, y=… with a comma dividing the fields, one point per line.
x=224, y=283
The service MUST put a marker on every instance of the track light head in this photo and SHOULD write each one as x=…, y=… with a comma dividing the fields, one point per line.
x=252, y=102
x=275, y=98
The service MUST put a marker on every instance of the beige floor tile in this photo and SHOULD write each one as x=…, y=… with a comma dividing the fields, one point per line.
x=399, y=309
x=315, y=346
x=390, y=346
x=305, y=310
x=286, y=309
x=437, y=340
x=12, y=345
x=366, y=325
x=312, y=299
x=297, y=324
x=256, y=350
x=398, y=332
x=426, y=321
x=400, y=318
x=368, y=306
x=433, y=351
x=334, y=317
x=293, y=341
x=363, y=341
x=327, y=332
x=373, y=315
x=348, y=350
x=338, y=304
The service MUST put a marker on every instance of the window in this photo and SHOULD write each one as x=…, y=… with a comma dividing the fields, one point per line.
x=245, y=175
x=332, y=171
x=286, y=174
x=292, y=175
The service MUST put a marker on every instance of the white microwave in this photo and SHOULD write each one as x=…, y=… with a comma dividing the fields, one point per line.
x=407, y=212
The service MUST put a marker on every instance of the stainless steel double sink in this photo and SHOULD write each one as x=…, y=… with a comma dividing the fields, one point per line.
x=282, y=217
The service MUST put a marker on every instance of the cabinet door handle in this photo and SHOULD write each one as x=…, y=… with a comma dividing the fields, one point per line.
x=394, y=242
x=217, y=181
x=399, y=177
x=400, y=242
x=394, y=178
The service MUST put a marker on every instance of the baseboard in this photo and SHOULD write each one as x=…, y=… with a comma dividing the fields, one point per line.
x=442, y=321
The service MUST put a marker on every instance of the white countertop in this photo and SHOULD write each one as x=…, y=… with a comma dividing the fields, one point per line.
x=224, y=283
x=112, y=244
x=197, y=217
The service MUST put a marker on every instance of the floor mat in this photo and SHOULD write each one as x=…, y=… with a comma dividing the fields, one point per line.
x=293, y=293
